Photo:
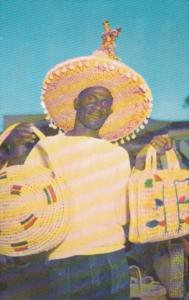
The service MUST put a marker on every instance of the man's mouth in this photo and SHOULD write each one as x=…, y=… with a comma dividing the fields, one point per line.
x=97, y=116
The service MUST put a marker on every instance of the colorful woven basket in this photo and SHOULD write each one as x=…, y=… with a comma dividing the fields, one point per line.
x=33, y=210
x=159, y=200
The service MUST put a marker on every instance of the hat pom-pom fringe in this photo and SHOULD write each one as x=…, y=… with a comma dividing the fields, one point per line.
x=131, y=136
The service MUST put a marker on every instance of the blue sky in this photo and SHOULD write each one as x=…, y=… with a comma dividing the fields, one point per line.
x=37, y=34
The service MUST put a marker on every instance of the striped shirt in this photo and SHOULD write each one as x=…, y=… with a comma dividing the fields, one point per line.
x=96, y=173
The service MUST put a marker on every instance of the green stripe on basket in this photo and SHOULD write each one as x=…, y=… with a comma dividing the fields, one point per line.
x=20, y=246
x=27, y=219
x=50, y=194
x=3, y=175
x=23, y=243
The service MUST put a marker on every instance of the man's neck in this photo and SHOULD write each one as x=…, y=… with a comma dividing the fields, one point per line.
x=80, y=130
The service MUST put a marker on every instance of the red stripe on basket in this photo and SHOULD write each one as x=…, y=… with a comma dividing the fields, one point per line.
x=15, y=190
x=30, y=223
x=51, y=191
x=20, y=246
x=50, y=194
x=27, y=219
x=16, y=187
x=21, y=249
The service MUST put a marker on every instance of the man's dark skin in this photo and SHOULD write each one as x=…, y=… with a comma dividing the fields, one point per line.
x=93, y=107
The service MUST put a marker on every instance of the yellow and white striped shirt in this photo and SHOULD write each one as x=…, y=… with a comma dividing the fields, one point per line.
x=96, y=173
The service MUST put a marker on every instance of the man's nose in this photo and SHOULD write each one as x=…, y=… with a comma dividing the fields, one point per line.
x=101, y=105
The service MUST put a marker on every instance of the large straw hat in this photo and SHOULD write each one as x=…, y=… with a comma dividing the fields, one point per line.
x=34, y=213
x=131, y=94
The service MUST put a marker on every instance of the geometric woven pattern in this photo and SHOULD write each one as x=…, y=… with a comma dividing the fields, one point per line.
x=33, y=211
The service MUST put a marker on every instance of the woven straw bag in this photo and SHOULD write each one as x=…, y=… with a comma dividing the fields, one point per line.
x=159, y=200
x=33, y=207
x=145, y=288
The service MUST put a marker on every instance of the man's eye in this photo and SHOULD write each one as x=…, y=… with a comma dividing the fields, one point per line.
x=106, y=103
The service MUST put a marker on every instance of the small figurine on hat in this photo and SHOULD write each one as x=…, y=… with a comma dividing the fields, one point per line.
x=108, y=39
x=132, y=99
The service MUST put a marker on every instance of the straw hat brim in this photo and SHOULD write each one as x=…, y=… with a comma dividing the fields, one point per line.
x=131, y=95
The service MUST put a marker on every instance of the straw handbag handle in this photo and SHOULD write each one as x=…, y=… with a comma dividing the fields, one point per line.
x=138, y=273
x=8, y=131
x=45, y=152
x=151, y=159
x=172, y=160
x=40, y=135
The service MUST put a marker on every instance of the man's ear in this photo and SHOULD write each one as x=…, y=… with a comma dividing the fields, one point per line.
x=76, y=103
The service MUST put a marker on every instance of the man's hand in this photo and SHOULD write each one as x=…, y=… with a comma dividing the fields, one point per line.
x=17, y=143
x=21, y=135
x=162, y=143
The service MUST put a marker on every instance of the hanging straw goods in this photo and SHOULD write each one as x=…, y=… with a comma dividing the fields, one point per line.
x=33, y=207
x=159, y=200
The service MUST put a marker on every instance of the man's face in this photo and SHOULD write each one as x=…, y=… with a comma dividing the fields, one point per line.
x=93, y=107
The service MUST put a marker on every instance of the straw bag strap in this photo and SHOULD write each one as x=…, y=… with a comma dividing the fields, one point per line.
x=151, y=159
x=172, y=160
x=149, y=280
x=8, y=131
x=48, y=155
x=38, y=132
x=138, y=274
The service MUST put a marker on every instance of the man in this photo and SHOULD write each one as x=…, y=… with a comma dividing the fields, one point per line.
x=92, y=256
x=90, y=266
x=95, y=100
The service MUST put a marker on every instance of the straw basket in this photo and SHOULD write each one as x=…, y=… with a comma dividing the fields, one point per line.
x=159, y=200
x=33, y=208
x=145, y=288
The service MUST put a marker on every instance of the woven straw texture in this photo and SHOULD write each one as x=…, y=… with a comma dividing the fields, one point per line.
x=159, y=200
x=33, y=210
x=132, y=97
x=145, y=288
